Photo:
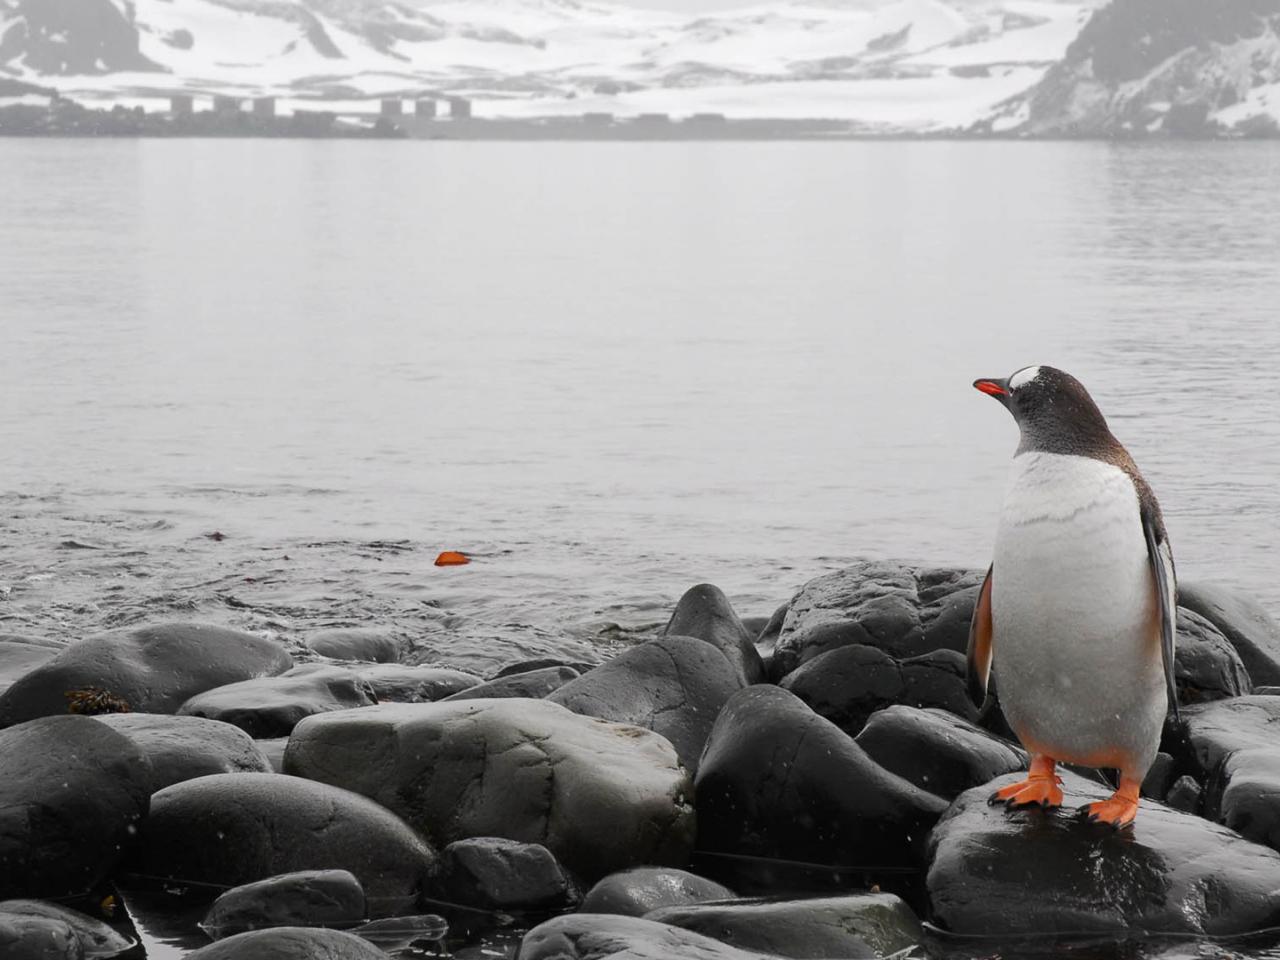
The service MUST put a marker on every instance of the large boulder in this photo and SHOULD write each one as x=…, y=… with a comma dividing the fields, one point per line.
x=24, y=937
x=307, y=898
x=290, y=943
x=498, y=874
x=849, y=684
x=936, y=750
x=674, y=686
x=96, y=938
x=704, y=612
x=534, y=684
x=642, y=890
x=904, y=611
x=20, y=655
x=152, y=669
x=232, y=829
x=1232, y=746
x=1206, y=665
x=996, y=873
x=850, y=927
x=600, y=796
x=183, y=748
x=272, y=706
x=397, y=683
x=72, y=792
x=778, y=781
x=356, y=643
x=1243, y=621
x=598, y=936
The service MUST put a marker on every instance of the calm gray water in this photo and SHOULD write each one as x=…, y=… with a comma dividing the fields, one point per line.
x=609, y=371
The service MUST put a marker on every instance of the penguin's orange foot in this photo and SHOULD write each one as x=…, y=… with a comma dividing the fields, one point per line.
x=1116, y=810
x=1033, y=791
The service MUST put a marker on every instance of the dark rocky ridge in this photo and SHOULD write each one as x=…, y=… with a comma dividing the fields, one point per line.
x=61, y=37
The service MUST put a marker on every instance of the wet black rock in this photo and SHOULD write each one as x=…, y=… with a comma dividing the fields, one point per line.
x=1206, y=665
x=96, y=938
x=597, y=936
x=936, y=750
x=849, y=684
x=183, y=748
x=601, y=796
x=539, y=663
x=152, y=669
x=290, y=943
x=533, y=683
x=779, y=781
x=233, y=829
x=1232, y=746
x=37, y=938
x=495, y=873
x=1159, y=777
x=904, y=611
x=396, y=683
x=19, y=656
x=674, y=686
x=1242, y=621
x=1185, y=794
x=72, y=792
x=850, y=927
x=704, y=612
x=641, y=890
x=307, y=898
x=272, y=706
x=996, y=873
x=355, y=643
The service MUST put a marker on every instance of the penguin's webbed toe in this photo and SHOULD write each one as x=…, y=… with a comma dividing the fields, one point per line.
x=1032, y=792
x=1119, y=809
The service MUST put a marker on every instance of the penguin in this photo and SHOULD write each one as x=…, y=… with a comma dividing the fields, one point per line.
x=1076, y=614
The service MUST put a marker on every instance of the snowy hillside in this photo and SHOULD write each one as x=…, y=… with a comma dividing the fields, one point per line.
x=897, y=64
x=1144, y=67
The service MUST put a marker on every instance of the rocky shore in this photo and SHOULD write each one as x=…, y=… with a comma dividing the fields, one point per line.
x=808, y=785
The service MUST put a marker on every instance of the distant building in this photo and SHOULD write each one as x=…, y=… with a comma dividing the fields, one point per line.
x=597, y=119
x=392, y=107
x=708, y=118
x=424, y=109
x=459, y=108
x=224, y=104
x=264, y=106
x=182, y=105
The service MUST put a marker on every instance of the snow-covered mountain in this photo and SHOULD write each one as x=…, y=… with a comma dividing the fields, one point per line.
x=894, y=64
x=1141, y=67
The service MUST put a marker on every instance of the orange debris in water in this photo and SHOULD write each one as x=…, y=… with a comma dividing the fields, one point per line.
x=452, y=558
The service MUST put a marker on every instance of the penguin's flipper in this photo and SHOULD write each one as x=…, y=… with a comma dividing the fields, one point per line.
x=978, y=656
x=1160, y=558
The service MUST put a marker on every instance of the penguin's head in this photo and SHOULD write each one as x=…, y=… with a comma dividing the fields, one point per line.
x=1053, y=410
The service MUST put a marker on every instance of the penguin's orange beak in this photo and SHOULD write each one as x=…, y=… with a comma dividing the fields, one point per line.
x=992, y=388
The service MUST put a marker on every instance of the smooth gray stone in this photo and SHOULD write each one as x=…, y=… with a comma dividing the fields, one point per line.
x=37, y=938
x=599, y=936
x=398, y=683
x=860, y=926
x=154, y=669
x=72, y=792
x=290, y=943
x=641, y=890
x=1243, y=621
x=306, y=898
x=183, y=748
x=1035, y=872
x=370, y=645
x=272, y=706
x=598, y=795
x=493, y=872
x=237, y=828
x=97, y=939
x=704, y=612
x=533, y=683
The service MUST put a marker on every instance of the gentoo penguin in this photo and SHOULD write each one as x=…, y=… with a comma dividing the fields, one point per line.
x=1077, y=610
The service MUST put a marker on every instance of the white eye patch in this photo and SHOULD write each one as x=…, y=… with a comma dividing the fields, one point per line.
x=1023, y=377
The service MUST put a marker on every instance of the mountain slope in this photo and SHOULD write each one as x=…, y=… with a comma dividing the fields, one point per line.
x=891, y=64
x=1180, y=67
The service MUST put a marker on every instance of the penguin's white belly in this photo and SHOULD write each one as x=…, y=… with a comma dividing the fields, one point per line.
x=1075, y=627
